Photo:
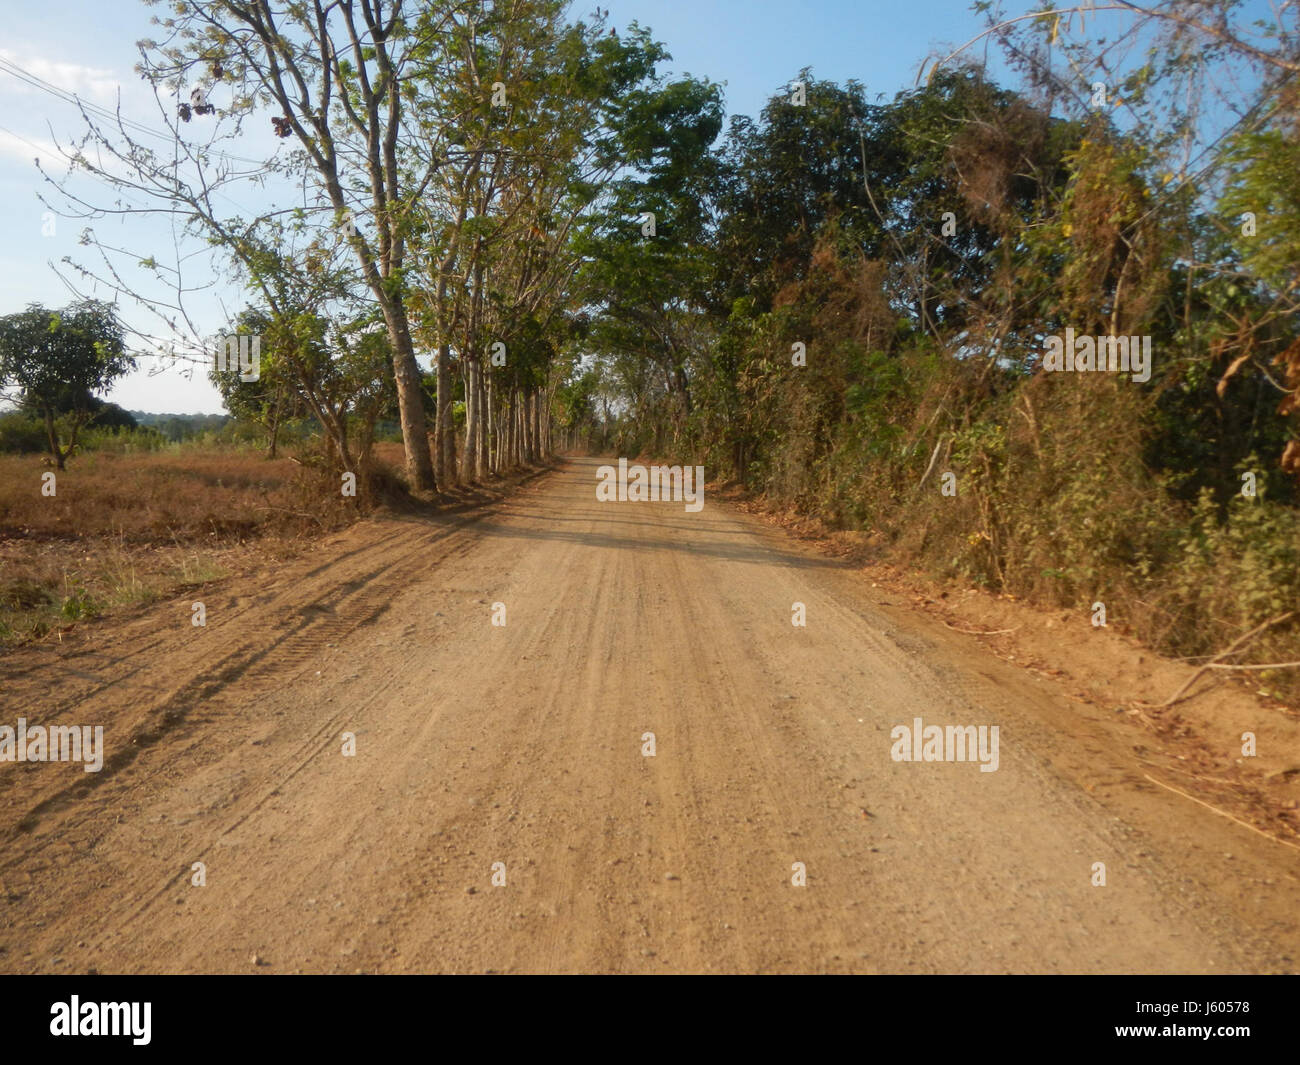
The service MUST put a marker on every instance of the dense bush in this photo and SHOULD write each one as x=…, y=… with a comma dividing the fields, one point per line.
x=21, y=434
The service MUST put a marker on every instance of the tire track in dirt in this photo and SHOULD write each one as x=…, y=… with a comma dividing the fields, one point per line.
x=522, y=744
x=260, y=660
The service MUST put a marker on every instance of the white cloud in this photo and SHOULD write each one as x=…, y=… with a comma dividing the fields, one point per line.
x=26, y=149
x=97, y=84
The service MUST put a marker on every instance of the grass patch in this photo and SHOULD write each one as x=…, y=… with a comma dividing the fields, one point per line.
x=125, y=530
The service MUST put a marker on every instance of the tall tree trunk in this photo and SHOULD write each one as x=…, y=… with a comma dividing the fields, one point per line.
x=503, y=421
x=525, y=451
x=410, y=401
x=277, y=415
x=538, y=397
x=474, y=435
x=410, y=405
x=471, y=419
x=513, y=453
x=445, y=419
x=480, y=415
x=490, y=444
x=530, y=421
x=538, y=453
x=445, y=437
x=481, y=458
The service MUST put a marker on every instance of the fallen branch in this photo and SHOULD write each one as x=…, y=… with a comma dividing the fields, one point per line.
x=1266, y=665
x=1199, y=776
x=1236, y=646
x=975, y=632
x=1221, y=813
x=930, y=468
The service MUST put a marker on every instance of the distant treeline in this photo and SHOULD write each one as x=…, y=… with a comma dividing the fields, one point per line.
x=177, y=427
x=22, y=431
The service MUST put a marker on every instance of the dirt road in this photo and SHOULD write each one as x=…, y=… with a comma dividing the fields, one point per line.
x=523, y=744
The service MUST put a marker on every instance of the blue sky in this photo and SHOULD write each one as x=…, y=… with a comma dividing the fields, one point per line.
x=88, y=47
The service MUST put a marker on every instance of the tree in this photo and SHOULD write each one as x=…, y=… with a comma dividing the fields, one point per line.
x=59, y=360
x=343, y=80
x=536, y=144
x=271, y=399
x=651, y=287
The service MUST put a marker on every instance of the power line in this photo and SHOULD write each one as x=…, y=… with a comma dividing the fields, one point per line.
x=65, y=95
x=14, y=70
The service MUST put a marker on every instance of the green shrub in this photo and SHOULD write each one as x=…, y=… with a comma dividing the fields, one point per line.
x=22, y=434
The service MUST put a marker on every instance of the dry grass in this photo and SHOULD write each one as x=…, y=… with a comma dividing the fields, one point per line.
x=127, y=529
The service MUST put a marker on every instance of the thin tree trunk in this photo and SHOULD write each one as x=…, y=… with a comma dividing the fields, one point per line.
x=474, y=434
x=277, y=415
x=53, y=438
x=507, y=429
x=537, y=424
x=481, y=459
x=445, y=424
x=516, y=417
x=480, y=409
x=490, y=445
x=471, y=419
x=525, y=445
x=531, y=420
x=530, y=417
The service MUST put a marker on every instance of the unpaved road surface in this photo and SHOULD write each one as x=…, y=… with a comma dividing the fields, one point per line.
x=522, y=744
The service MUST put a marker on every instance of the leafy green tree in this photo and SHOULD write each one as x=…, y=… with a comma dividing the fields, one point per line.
x=343, y=82
x=783, y=176
x=652, y=286
x=538, y=104
x=269, y=401
x=59, y=360
x=1262, y=209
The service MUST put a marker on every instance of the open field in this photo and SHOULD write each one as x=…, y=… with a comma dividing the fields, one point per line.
x=127, y=529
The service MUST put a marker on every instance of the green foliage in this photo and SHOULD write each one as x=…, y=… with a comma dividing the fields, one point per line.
x=58, y=361
x=1237, y=570
x=122, y=441
x=924, y=347
x=178, y=427
x=1264, y=184
x=78, y=604
x=21, y=433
